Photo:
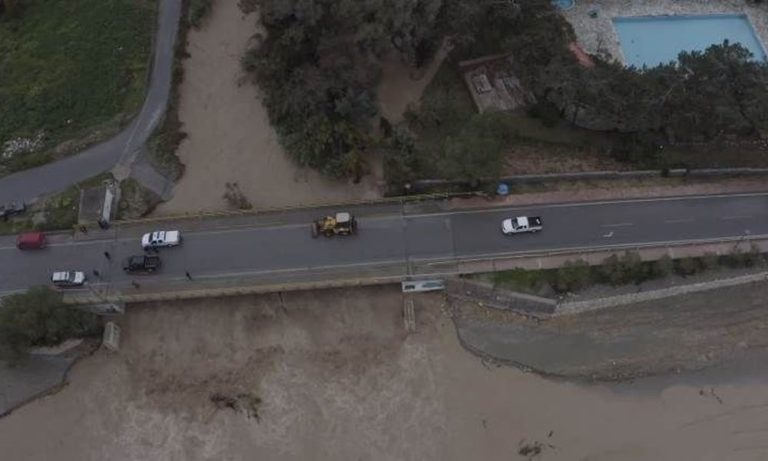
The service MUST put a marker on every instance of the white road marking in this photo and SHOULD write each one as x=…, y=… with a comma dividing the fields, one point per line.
x=432, y=261
x=246, y=228
x=677, y=221
x=608, y=235
x=621, y=224
x=249, y=229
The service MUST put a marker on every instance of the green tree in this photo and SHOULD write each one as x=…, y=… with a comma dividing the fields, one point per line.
x=664, y=266
x=40, y=318
x=573, y=276
x=687, y=266
x=9, y=7
x=198, y=11
x=625, y=269
x=720, y=92
x=401, y=159
x=710, y=261
x=318, y=65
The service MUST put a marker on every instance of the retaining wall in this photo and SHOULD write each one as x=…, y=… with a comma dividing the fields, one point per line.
x=499, y=298
x=576, y=307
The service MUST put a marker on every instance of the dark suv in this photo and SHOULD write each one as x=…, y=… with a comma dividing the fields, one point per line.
x=142, y=264
x=10, y=209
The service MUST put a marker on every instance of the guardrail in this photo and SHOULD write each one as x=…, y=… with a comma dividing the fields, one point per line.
x=309, y=208
x=427, y=183
x=318, y=278
x=609, y=174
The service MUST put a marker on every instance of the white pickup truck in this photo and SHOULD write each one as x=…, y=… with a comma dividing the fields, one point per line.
x=159, y=239
x=521, y=224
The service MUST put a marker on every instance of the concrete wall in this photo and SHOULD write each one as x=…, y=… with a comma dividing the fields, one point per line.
x=497, y=298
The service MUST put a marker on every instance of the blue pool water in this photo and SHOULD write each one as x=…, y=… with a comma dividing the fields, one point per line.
x=563, y=4
x=651, y=40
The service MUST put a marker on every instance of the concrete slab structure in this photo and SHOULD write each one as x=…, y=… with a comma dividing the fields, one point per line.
x=492, y=84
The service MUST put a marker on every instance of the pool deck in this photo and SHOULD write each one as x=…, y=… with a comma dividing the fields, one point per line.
x=598, y=36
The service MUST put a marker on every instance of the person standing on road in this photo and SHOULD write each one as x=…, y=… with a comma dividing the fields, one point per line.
x=189, y=276
x=96, y=273
x=107, y=255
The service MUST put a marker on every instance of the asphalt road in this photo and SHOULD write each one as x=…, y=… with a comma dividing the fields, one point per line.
x=121, y=149
x=282, y=251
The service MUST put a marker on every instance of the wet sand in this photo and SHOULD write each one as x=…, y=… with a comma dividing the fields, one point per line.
x=229, y=135
x=340, y=379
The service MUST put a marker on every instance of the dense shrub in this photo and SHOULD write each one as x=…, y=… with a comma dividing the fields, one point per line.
x=40, y=318
x=663, y=267
x=318, y=65
x=716, y=94
x=198, y=11
x=688, y=266
x=573, y=276
x=621, y=270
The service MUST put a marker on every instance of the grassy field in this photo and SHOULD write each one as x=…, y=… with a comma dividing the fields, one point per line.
x=70, y=70
x=51, y=213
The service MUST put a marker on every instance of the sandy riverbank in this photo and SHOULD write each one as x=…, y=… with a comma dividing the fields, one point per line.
x=340, y=379
x=230, y=139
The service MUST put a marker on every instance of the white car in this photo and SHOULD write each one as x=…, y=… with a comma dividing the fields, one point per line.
x=68, y=278
x=521, y=224
x=159, y=239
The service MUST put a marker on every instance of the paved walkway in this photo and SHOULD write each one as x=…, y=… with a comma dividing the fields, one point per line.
x=123, y=149
x=35, y=377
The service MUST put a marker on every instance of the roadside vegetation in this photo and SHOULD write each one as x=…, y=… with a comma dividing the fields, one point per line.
x=51, y=213
x=165, y=140
x=136, y=200
x=318, y=65
x=621, y=270
x=72, y=73
x=40, y=318
x=199, y=11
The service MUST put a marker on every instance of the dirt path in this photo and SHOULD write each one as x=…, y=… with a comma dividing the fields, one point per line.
x=229, y=135
x=402, y=86
x=339, y=379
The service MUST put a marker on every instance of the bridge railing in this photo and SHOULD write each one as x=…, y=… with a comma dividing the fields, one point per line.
x=394, y=272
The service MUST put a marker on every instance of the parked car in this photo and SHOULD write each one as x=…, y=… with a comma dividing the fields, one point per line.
x=160, y=239
x=141, y=264
x=30, y=241
x=521, y=224
x=67, y=279
x=12, y=208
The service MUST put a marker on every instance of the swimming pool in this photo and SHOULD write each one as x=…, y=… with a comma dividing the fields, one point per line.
x=652, y=40
x=564, y=4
